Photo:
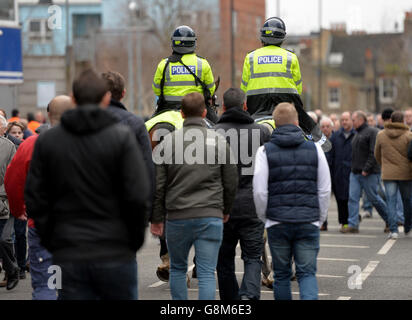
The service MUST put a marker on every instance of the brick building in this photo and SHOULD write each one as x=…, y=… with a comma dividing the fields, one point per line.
x=359, y=71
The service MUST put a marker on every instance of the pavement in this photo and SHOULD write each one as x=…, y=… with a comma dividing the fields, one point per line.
x=364, y=266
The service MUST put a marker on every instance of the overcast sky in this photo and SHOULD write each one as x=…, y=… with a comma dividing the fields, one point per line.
x=373, y=16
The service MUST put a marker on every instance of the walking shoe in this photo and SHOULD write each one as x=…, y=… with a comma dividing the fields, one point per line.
x=408, y=234
x=12, y=280
x=323, y=228
x=393, y=235
x=194, y=273
x=187, y=280
x=162, y=271
x=3, y=283
x=386, y=230
x=268, y=283
x=343, y=228
x=22, y=274
x=349, y=229
x=367, y=215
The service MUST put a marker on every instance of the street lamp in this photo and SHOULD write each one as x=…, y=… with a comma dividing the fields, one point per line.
x=137, y=12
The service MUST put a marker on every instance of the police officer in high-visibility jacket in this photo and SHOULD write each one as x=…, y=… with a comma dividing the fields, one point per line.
x=271, y=75
x=181, y=73
x=176, y=76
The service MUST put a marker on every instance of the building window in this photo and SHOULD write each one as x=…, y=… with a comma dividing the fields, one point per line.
x=387, y=90
x=85, y=24
x=334, y=98
x=336, y=59
x=39, y=31
x=7, y=10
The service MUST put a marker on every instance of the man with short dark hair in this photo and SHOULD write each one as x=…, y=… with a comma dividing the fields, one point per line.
x=87, y=191
x=245, y=136
x=365, y=172
x=291, y=190
x=116, y=85
x=195, y=187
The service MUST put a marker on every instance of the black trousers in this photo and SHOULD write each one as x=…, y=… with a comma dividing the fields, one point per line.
x=250, y=234
x=7, y=255
x=343, y=211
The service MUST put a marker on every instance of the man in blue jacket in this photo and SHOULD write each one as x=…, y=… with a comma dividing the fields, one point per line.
x=340, y=166
x=291, y=190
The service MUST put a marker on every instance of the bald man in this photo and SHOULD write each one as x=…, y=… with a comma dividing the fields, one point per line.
x=59, y=104
x=15, y=181
x=291, y=190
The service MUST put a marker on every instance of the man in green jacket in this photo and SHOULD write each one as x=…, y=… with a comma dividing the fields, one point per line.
x=196, y=184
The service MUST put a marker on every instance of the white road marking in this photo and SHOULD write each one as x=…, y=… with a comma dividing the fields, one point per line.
x=342, y=246
x=360, y=228
x=387, y=246
x=157, y=284
x=324, y=259
x=347, y=236
x=368, y=270
x=262, y=291
x=328, y=276
x=296, y=293
x=343, y=298
x=318, y=275
x=338, y=259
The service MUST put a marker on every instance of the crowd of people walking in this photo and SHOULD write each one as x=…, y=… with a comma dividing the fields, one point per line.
x=259, y=172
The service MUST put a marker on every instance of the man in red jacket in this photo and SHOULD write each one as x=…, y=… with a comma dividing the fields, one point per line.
x=15, y=180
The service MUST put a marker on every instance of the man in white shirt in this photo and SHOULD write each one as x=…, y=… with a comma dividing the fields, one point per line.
x=291, y=190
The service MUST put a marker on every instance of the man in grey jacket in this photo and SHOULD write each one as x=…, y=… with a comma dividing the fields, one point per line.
x=196, y=184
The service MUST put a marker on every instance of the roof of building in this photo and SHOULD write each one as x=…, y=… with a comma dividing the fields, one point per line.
x=353, y=50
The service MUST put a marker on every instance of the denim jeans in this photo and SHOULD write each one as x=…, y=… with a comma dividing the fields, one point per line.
x=250, y=234
x=40, y=261
x=370, y=184
x=206, y=235
x=20, y=243
x=116, y=280
x=300, y=241
x=392, y=189
x=399, y=208
x=367, y=205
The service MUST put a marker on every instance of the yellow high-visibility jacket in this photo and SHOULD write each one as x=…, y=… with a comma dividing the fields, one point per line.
x=178, y=80
x=271, y=69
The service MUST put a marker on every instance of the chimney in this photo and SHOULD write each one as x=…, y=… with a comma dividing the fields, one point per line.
x=338, y=28
x=408, y=23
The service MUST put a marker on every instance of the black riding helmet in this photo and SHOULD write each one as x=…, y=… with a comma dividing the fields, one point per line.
x=184, y=40
x=273, y=31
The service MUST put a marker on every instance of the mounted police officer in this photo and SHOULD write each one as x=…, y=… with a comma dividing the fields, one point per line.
x=181, y=73
x=271, y=75
x=176, y=76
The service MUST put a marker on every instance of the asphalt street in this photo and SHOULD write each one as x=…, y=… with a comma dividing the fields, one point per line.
x=364, y=266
